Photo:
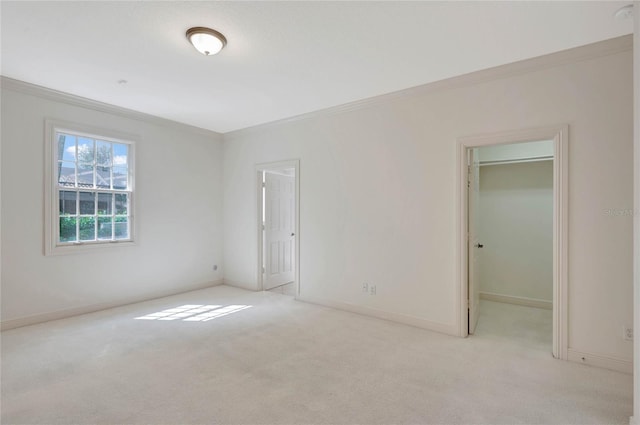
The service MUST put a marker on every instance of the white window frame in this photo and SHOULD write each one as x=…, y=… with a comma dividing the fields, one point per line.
x=52, y=246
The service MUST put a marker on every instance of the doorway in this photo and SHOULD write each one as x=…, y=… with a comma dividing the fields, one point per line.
x=470, y=244
x=511, y=221
x=278, y=212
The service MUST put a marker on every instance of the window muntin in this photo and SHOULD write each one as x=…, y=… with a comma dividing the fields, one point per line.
x=94, y=190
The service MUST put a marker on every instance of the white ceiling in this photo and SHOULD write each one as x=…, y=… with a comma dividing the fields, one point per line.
x=282, y=58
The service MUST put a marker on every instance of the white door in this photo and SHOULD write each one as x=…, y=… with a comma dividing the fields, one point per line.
x=473, y=244
x=279, y=236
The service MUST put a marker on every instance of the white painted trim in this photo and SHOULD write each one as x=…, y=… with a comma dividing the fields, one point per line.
x=561, y=243
x=512, y=299
x=278, y=165
x=560, y=136
x=260, y=247
x=77, y=311
x=1, y=123
x=462, y=212
x=636, y=202
x=7, y=83
x=599, y=360
x=591, y=51
x=384, y=315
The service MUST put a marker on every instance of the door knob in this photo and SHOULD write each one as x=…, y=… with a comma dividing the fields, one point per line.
x=293, y=234
x=479, y=245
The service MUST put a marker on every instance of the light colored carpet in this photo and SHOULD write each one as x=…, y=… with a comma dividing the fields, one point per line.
x=286, y=289
x=287, y=362
x=525, y=326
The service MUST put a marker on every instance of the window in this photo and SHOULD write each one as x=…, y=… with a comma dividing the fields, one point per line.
x=91, y=189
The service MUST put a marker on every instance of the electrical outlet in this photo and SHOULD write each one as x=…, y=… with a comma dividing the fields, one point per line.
x=628, y=333
x=365, y=287
x=373, y=289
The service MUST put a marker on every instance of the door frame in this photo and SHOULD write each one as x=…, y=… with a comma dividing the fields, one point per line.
x=560, y=136
x=274, y=166
x=473, y=184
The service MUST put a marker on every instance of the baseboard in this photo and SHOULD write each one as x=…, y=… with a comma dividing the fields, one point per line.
x=511, y=299
x=63, y=314
x=384, y=315
x=599, y=360
x=250, y=286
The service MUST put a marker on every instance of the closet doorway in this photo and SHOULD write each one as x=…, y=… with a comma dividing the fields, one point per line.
x=513, y=236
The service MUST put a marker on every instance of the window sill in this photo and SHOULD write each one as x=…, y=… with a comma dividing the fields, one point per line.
x=84, y=247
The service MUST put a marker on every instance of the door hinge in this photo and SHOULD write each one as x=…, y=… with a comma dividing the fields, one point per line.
x=264, y=184
x=264, y=270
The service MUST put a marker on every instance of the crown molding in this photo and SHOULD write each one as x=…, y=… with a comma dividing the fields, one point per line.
x=7, y=83
x=577, y=54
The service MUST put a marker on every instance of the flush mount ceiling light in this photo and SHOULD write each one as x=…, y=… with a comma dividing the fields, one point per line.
x=205, y=40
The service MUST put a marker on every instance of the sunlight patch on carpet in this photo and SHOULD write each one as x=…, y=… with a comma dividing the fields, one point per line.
x=194, y=312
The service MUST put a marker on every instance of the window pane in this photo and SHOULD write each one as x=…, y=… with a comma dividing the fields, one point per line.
x=87, y=228
x=104, y=227
x=103, y=177
x=66, y=147
x=67, y=203
x=104, y=203
x=121, y=228
x=85, y=150
x=103, y=153
x=67, y=174
x=121, y=204
x=93, y=176
x=87, y=203
x=120, y=177
x=120, y=154
x=85, y=175
x=67, y=229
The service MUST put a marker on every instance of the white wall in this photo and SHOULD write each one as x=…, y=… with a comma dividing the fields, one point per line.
x=378, y=190
x=515, y=219
x=179, y=215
